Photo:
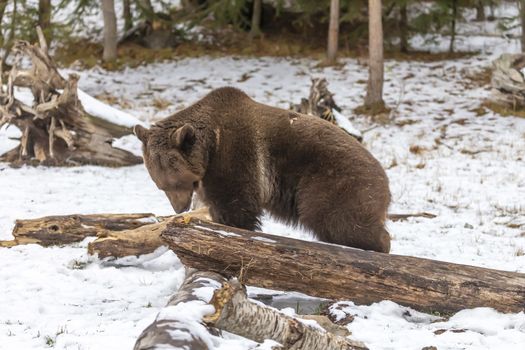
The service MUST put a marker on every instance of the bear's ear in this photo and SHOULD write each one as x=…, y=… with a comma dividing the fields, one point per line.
x=183, y=137
x=141, y=132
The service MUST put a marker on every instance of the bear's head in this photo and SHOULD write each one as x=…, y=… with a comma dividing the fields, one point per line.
x=175, y=159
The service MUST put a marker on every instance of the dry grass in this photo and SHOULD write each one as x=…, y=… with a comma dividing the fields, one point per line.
x=227, y=42
x=416, y=149
x=160, y=103
x=504, y=110
x=520, y=252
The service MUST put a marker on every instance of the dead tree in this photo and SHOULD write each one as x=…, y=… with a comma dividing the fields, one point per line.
x=337, y=272
x=56, y=130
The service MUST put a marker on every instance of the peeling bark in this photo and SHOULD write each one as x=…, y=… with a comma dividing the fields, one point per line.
x=238, y=315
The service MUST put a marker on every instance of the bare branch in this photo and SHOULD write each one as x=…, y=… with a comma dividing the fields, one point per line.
x=65, y=135
x=25, y=141
x=41, y=39
x=51, y=132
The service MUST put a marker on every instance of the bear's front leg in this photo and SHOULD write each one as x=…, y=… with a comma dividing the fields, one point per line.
x=236, y=214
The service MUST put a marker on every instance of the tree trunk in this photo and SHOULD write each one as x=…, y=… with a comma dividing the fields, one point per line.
x=403, y=28
x=7, y=46
x=333, y=32
x=480, y=11
x=110, y=31
x=3, y=5
x=522, y=20
x=374, y=93
x=66, y=229
x=337, y=272
x=56, y=130
x=234, y=313
x=126, y=14
x=255, y=29
x=453, y=25
x=44, y=18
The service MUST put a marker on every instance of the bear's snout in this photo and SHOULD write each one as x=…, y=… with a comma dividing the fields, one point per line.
x=180, y=200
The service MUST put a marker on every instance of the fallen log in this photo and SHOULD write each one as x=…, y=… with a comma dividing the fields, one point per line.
x=233, y=312
x=174, y=330
x=137, y=241
x=232, y=307
x=119, y=235
x=66, y=229
x=337, y=272
x=117, y=244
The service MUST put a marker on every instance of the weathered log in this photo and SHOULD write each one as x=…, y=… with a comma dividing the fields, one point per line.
x=66, y=229
x=137, y=241
x=234, y=313
x=176, y=331
x=336, y=272
x=231, y=312
x=117, y=244
x=56, y=130
x=119, y=235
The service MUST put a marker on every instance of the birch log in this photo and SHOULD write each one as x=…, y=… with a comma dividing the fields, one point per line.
x=238, y=315
x=173, y=332
x=233, y=312
x=337, y=272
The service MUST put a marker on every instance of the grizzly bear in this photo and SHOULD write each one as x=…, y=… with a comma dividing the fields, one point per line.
x=243, y=157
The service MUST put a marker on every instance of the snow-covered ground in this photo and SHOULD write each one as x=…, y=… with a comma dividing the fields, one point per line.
x=440, y=156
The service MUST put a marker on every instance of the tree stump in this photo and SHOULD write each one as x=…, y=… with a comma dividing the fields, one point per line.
x=320, y=103
x=56, y=130
x=508, y=81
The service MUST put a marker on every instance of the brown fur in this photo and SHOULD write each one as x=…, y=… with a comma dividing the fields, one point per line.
x=244, y=157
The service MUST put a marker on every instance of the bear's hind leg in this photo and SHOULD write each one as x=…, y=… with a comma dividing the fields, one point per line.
x=351, y=227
